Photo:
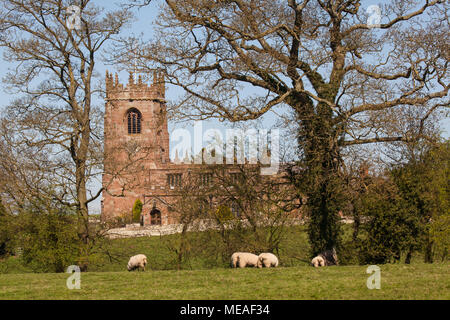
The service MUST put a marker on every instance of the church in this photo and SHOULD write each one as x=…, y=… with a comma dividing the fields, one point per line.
x=136, y=151
x=137, y=164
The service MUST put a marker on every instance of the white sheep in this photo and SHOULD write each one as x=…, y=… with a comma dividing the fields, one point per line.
x=243, y=259
x=234, y=259
x=326, y=258
x=330, y=257
x=267, y=260
x=318, y=262
x=137, y=262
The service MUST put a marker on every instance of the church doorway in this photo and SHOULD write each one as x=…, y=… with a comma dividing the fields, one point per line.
x=155, y=217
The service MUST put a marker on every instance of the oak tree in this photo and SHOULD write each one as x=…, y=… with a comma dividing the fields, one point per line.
x=344, y=71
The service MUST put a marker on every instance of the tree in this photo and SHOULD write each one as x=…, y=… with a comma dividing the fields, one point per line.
x=252, y=212
x=345, y=80
x=5, y=231
x=225, y=209
x=137, y=210
x=392, y=227
x=188, y=205
x=423, y=183
x=55, y=55
x=48, y=238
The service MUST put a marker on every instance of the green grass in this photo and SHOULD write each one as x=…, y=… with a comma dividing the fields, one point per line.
x=417, y=281
x=294, y=252
x=209, y=277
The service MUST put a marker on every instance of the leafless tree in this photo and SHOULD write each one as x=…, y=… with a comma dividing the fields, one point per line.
x=55, y=55
x=346, y=77
x=240, y=210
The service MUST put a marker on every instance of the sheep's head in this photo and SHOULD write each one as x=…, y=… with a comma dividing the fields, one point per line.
x=259, y=263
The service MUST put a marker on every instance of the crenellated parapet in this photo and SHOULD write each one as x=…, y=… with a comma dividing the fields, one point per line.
x=135, y=90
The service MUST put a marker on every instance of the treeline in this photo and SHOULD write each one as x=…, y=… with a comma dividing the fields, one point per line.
x=398, y=214
x=403, y=211
x=43, y=237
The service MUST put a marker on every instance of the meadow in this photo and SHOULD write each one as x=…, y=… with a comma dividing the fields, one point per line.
x=398, y=281
x=206, y=276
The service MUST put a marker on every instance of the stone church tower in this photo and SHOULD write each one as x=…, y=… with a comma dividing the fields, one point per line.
x=136, y=142
x=136, y=154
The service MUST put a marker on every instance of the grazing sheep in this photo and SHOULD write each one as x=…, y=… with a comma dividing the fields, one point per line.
x=330, y=257
x=137, y=262
x=326, y=258
x=267, y=260
x=318, y=262
x=234, y=259
x=243, y=259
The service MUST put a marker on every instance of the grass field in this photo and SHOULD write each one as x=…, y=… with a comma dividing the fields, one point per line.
x=399, y=281
x=160, y=257
x=207, y=277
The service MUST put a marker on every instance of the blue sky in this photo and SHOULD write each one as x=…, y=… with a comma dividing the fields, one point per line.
x=144, y=23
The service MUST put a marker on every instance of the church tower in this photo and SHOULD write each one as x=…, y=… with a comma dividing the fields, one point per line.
x=136, y=139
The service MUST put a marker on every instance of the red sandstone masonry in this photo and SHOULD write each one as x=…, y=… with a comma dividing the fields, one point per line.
x=120, y=196
x=145, y=179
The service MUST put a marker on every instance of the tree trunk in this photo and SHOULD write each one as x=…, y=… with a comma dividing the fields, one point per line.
x=83, y=228
x=356, y=224
x=409, y=256
x=324, y=186
x=428, y=258
x=80, y=160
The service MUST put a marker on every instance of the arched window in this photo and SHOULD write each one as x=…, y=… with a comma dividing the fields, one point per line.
x=134, y=118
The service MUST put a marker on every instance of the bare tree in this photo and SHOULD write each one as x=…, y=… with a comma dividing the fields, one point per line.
x=54, y=45
x=262, y=207
x=344, y=75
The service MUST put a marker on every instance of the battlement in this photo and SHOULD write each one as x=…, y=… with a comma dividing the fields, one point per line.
x=135, y=90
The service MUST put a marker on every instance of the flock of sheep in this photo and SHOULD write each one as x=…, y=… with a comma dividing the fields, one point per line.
x=246, y=259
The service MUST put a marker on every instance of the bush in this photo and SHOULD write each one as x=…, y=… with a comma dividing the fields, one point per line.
x=424, y=183
x=440, y=236
x=137, y=211
x=223, y=214
x=49, y=240
x=6, y=232
x=392, y=227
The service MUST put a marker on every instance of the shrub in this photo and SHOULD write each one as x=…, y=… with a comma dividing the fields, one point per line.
x=392, y=227
x=424, y=183
x=6, y=233
x=440, y=236
x=49, y=240
x=137, y=211
x=223, y=214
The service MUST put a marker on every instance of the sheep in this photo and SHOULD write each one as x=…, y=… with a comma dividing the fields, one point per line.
x=137, y=262
x=267, y=260
x=318, y=262
x=234, y=259
x=243, y=259
x=330, y=257
x=326, y=258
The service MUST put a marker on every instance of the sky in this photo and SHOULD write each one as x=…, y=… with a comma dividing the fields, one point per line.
x=144, y=22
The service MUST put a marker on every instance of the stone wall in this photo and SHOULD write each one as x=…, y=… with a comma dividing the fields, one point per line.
x=135, y=230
